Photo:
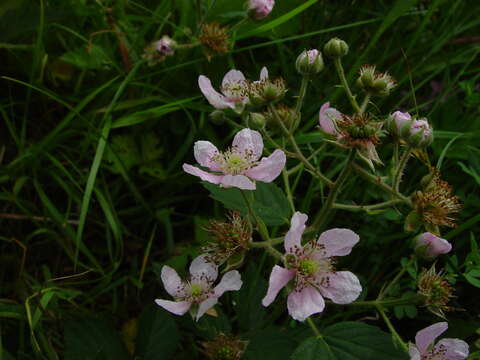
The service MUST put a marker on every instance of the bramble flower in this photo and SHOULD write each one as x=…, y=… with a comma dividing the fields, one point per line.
x=198, y=290
x=214, y=38
x=309, y=62
x=420, y=134
x=311, y=267
x=157, y=51
x=259, y=9
x=429, y=246
x=328, y=117
x=445, y=349
x=234, y=93
x=436, y=290
x=238, y=166
x=165, y=46
x=396, y=122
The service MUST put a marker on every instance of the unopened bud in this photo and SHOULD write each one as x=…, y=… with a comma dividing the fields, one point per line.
x=309, y=62
x=218, y=117
x=375, y=83
x=420, y=134
x=165, y=46
x=429, y=246
x=396, y=122
x=335, y=48
x=259, y=9
x=256, y=120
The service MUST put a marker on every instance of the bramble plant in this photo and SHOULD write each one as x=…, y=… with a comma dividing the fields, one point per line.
x=239, y=180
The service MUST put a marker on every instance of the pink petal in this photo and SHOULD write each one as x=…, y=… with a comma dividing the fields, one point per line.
x=238, y=181
x=343, y=287
x=264, y=73
x=327, y=116
x=413, y=352
x=293, y=238
x=203, y=269
x=231, y=281
x=268, y=168
x=435, y=245
x=204, y=151
x=172, y=282
x=456, y=349
x=205, y=176
x=204, y=306
x=301, y=304
x=175, y=307
x=427, y=336
x=215, y=99
x=247, y=140
x=338, y=242
x=233, y=76
x=279, y=277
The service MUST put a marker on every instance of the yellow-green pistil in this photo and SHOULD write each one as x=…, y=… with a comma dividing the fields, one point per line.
x=308, y=267
x=196, y=289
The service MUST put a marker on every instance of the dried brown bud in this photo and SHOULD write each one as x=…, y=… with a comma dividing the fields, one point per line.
x=214, y=38
x=436, y=290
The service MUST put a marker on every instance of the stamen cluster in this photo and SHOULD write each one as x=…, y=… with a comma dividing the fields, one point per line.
x=214, y=38
x=436, y=289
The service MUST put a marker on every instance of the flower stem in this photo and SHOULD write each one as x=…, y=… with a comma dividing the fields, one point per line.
x=343, y=80
x=321, y=217
x=376, y=180
x=314, y=327
x=301, y=95
x=298, y=152
x=401, y=168
x=388, y=303
x=366, y=208
x=394, y=333
x=287, y=189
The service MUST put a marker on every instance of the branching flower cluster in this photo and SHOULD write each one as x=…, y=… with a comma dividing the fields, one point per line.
x=308, y=268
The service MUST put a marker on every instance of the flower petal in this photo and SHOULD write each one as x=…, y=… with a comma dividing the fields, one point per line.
x=338, y=242
x=231, y=281
x=327, y=117
x=172, y=282
x=428, y=335
x=205, y=176
x=434, y=244
x=232, y=77
x=413, y=352
x=201, y=268
x=250, y=141
x=204, y=306
x=264, y=73
x=268, y=168
x=293, y=238
x=238, y=181
x=342, y=287
x=204, y=151
x=279, y=277
x=456, y=349
x=301, y=304
x=175, y=307
x=215, y=99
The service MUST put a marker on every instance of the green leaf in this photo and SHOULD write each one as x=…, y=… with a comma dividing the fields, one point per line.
x=269, y=344
x=349, y=341
x=157, y=336
x=89, y=338
x=270, y=203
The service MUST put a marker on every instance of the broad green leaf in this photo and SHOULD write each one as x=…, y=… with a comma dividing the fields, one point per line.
x=90, y=338
x=270, y=204
x=350, y=341
x=157, y=336
x=269, y=344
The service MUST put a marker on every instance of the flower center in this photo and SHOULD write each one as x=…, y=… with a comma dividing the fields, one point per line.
x=308, y=267
x=196, y=290
x=234, y=91
x=234, y=161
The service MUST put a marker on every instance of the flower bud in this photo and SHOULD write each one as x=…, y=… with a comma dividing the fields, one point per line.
x=218, y=117
x=420, y=134
x=335, y=48
x=328, y=116
x=165, y=46
x=396, y=122
x=309, y=62
x=259, y=9
x=375, y=83
x=256, y=120
x=428, y=246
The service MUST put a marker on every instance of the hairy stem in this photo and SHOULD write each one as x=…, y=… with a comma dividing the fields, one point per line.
x=301, y=95
x=367, y=208
x=401, y=168
x=394, y=333
x=343, y=80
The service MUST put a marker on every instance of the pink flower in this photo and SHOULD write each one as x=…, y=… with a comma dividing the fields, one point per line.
x=239, y=166
x=446, y=349
x=233, y=91
x=328, y=116
x=198, y=289
x=165, y=46
x=311, y=267
x=429, y=246
x=259, y=9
